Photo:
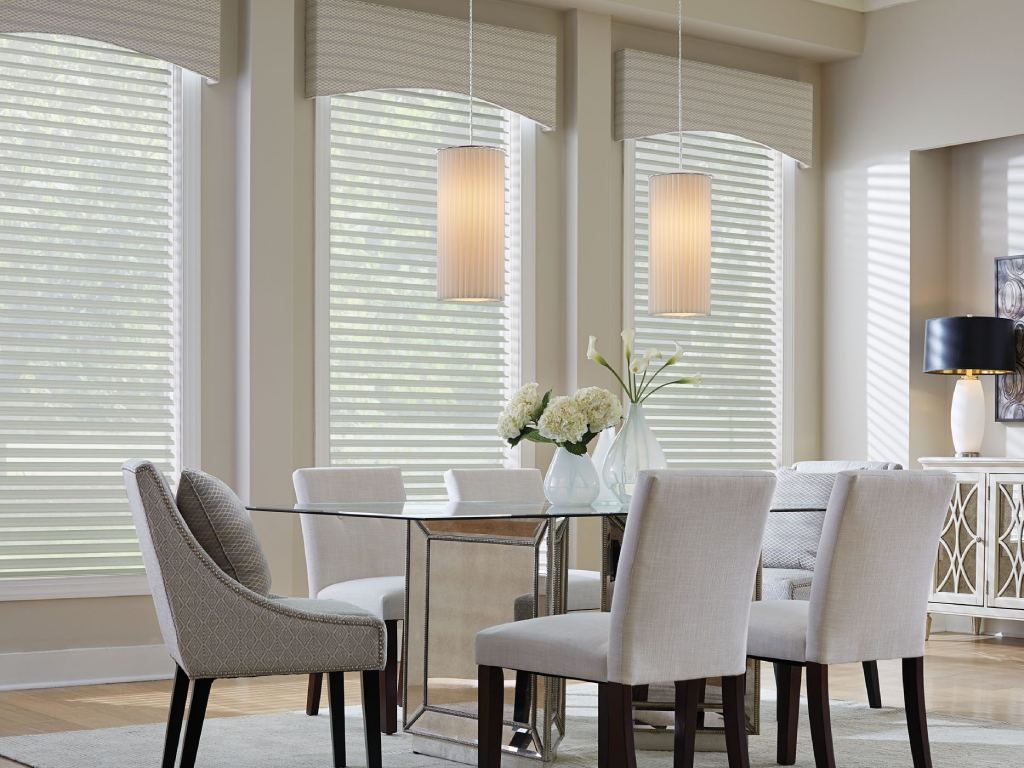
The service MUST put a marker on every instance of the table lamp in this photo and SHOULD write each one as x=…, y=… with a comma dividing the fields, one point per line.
x=968, y=347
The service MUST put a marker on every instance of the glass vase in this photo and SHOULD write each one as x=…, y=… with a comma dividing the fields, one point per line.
x=604, y=444
x=634, y=450
x=571, y=481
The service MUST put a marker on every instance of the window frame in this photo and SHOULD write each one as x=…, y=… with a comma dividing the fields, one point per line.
x=188, y=88
x=526, y=130
x=787, y=186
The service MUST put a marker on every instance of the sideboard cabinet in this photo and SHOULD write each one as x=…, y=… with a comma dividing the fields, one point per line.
x=979, y=571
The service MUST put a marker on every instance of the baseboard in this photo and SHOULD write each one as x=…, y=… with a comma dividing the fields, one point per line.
x=963, y=625
x=84, y=666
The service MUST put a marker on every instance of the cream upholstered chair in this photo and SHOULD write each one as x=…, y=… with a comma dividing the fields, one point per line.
x=868, y=601
x=524, y=485
x=361, y=562
x=216, y=627
x=699, y=529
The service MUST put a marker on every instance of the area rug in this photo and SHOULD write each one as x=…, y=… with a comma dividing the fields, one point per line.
x=864, y=738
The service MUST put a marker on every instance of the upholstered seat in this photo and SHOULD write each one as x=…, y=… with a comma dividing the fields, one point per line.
x=699, y=529
x=214, y=626
x=778, y=630
x=382, y=596
x=570, y=645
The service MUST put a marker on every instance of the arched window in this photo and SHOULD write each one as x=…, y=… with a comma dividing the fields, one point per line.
x=404, y=379
x=92, y=307
x=734, y=419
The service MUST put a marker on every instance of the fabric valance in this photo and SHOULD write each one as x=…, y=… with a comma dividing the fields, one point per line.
x=773, y=111
x=356, y=46
x=182, y=32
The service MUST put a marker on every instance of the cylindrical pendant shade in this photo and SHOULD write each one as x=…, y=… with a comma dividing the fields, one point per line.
x=471, y=224
x=679, y=244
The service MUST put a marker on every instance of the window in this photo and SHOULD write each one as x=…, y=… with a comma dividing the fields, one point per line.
x=408, y=381
x=734, y=419
x=91, y=304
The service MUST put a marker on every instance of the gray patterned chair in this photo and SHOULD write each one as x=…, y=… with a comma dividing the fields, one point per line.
x=794, y=532
x=880, y=530
x=210, y=586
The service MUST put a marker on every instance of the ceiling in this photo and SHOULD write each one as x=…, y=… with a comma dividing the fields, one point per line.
x=863, y=5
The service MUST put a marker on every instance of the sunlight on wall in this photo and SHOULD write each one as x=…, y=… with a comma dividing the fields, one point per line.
x=887, y=365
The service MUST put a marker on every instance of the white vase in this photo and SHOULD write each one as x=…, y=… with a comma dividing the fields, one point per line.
x=571, y=480
x=634, y=450
x=604, y=444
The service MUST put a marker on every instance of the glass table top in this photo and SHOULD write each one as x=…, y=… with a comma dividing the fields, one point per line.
x=466, y=510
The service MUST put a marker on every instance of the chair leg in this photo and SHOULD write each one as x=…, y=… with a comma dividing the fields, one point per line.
x=917, y=717
x=371, y=718
x=641, y=692
x=604, y=706
x=491, y=703
x=194, y=726
x=789, y=678
x=621, y=749
x=734, y=710
x=336, y=701
x=389, y=683
x=688, y=695
x=313, y=687
x=871, y=682
x=521, y=703
x=174, y=717
x=821, y=721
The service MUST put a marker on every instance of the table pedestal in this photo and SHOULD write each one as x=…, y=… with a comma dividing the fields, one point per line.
x=465, y=576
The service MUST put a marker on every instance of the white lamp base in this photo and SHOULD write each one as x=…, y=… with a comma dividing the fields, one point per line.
x=967, y=416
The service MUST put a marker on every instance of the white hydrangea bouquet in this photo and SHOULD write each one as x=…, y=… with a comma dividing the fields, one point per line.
x=570, y=422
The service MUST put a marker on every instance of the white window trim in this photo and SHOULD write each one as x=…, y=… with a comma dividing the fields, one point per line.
x=190, y=414
x=524, y=454
x=787, y=427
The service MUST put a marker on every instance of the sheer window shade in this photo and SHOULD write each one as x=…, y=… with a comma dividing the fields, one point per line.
x=88, y=299
x=412, y=382
x=734, y=418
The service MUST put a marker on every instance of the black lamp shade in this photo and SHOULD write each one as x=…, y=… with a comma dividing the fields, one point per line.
x=969, y=345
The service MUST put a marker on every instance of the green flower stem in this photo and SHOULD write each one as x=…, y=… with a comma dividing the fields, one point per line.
x=618, y=378
x=684, y=380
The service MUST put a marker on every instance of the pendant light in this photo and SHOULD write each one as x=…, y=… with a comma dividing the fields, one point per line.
x=679, y=227
x=471, y=216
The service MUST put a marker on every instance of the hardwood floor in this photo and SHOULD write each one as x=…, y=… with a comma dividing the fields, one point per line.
x=980, y=677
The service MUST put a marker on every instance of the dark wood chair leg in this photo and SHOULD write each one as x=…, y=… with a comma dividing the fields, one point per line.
x=316, y=682
x=871, y=682
x=371, y=718
x=734, y=711
x=603, y=723
x=821, y=720
x=389, y=683
x=491, y=703
x=194, y=726
x=917, y=717
x=521, y=710
x=641, y=692
x=688, y=696
x=789, y=679
x=621, y=749
x=179, y=694
x=336, y=701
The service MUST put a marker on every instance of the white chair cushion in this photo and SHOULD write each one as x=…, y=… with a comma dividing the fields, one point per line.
x=584, y=590
x=382, y=596
x=778, y=630
x=786, y=584
x=570, y=645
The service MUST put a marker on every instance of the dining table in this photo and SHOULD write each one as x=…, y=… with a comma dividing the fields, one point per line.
x=472, y=565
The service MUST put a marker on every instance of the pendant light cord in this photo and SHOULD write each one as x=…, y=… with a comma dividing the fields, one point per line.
x=471, y=72
x=679, y=77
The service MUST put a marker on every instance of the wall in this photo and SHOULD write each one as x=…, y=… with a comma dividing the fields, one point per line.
x=932, y=75
x=257, y=286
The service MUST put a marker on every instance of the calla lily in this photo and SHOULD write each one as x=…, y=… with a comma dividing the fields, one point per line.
x=639, y=378
x=674, y=358
x=628, y=336
x=593, y=354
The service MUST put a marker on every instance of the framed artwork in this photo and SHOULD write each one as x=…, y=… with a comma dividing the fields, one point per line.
x=1010, y=303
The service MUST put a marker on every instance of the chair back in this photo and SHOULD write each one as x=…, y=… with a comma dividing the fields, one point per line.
x=342, y=549
x=686, y=575
x=510, y=485
x=872, y=578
